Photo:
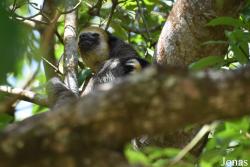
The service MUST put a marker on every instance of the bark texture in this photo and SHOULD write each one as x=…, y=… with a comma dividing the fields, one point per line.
x=180, y=42
x=25, y=95
x=97, y=127
x=48, y=40
x=70, y=48
x=184, y=32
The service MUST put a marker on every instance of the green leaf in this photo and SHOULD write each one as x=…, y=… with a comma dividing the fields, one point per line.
x=228, y=21
x=214, y=42
x=13, y=43
x=136, y=157
x=157, y=153
x=238, y=41
x=206, y=62
x=38, y=109
x=240, y=52
x=83, y=75
x=119, y=31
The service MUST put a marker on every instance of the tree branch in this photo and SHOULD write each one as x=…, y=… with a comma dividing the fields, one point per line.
x=70, y=49
x=73, y=8
x=47, y=38
x=109, y=119
x=114, y=5
x=25, y=95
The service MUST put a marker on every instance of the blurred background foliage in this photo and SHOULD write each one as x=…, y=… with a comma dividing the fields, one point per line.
x=238, y=38
x=138, y=22
x=230, y=140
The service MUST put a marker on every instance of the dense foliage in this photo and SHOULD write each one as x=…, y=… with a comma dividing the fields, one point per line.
x=139, y=23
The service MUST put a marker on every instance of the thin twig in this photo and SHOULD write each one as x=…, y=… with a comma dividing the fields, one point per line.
x=53, y=66
x=95, y=10
x=29, y=17
x=140, y=10
x=114, y=4
x=34, y=6
x=33, y=20
x=202, y=132
x=60, y=38
x=14, y=6
x=71, y=10
x=143, y=30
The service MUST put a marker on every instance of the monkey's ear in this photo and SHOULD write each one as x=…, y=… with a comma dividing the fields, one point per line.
x=137, y=64
x=134, y=64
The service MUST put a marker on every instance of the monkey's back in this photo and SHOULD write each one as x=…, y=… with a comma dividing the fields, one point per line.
x=119, y=48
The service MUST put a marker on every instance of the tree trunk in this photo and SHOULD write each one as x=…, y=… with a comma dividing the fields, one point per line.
x=185, y=30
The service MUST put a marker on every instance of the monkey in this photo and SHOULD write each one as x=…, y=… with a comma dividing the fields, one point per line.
x=93, y=47
x=97, y=45
x=109, y=57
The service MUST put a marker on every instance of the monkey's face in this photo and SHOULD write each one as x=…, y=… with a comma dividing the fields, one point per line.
x=88, y=41
x=93, y=46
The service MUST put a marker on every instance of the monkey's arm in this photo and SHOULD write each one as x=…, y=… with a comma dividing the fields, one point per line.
x=58, y=93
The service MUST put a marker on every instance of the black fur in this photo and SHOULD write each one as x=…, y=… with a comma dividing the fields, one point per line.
x=119, y=48
x=115, y=68
x=116, y=64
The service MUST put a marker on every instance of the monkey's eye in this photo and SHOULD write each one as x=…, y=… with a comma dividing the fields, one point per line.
x=95, y=34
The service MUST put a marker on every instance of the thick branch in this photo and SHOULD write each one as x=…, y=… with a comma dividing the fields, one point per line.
x=155, y=102
x=47, y=38
x=185, y=30
x=25, y=95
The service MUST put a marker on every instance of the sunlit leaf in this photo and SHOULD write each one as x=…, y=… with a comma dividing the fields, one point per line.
x=206, y=62
x=226, y=21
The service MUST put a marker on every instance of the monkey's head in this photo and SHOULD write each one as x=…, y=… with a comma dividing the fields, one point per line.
x=93, y=46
